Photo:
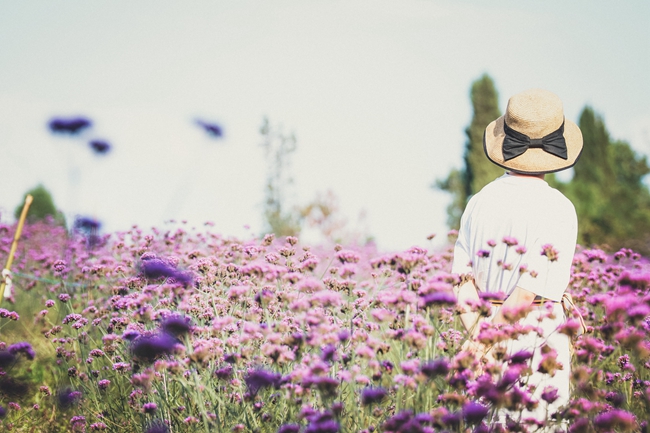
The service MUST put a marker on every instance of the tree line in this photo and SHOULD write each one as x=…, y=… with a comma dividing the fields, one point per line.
x=607, y=189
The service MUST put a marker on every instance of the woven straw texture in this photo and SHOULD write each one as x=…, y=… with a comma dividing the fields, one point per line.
x=535, y=113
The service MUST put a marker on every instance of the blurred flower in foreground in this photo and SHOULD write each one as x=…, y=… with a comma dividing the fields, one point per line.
x=212, y=129
x=100, y=147
x=151, y=347
x=86, y=224
x=176, y=325
x=67, y=397
x=72, y=125
x=155, y=268
x=24, y=347
x=260, y=379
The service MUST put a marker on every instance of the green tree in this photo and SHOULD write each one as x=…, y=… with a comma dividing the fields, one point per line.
x=607, y=189
x=478, y=171
x=42, y=206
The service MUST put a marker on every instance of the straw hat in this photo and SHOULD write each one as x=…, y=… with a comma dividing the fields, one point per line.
x=533, y=136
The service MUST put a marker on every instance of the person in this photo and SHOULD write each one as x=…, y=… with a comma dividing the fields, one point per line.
x=517, y=239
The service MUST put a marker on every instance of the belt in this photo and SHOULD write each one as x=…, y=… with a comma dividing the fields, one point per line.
x=538, y=301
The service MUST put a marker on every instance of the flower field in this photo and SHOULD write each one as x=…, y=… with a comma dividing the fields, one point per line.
x=184, y=330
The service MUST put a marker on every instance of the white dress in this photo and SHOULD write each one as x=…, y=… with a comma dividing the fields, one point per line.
x=505, y=229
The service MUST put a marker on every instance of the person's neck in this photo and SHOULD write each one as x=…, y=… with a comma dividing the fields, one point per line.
x=538, y=176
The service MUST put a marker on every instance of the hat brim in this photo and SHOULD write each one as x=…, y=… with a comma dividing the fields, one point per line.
x=532, y=161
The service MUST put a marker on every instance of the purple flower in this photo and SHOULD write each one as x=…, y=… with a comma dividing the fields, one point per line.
x=439, y=367
x=344, y=335
x=103, y=384
x=520, y=357
x=151, y=347
x=322, y=423
x=396, y=422
x=451, y=419
x=6, y=358
x=373, y=395
x=72, y=125
x=550, y=394
x=100, y=147
x=156, y=268
x=260, y=379
x=3, y=412
x=328, y=353
x=224, y=373
x=615, y=418
x=130, y=335
x=68, y=397
x=510, y=241
x=176, y=325
x=23, y=347
x=212, y=129
x=289, y=428
x=439, y=298
x=474, y=412
x=484, y=254
x=149, y=407
x=87, y=224
x=157, y=427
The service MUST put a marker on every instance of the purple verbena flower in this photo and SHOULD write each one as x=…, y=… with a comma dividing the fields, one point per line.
x=152, y=347
x=373, y=395
x=176, y=325
x=438, y=367
x=100, y=147
x=23, y=347
x=157, y=427
x=289, y=428
x=474, y=412
x=72, y=125
x=259, y=379
x=149, y=407
x=6, y=358
x=68, y=397
x=224, y=373
x=439, y=298
x=212, y=129
x=87, y=224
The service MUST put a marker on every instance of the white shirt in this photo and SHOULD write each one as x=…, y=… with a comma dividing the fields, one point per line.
x=530, y=211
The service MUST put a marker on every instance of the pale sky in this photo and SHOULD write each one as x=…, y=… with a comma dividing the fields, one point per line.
x=377, y=93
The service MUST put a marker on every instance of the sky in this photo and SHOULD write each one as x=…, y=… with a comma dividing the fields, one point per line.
x=375, y=91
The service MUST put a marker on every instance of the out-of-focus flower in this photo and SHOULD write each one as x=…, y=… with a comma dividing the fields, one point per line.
x=100, y=147
x=149, y=407
x=3, y=412
x=103, y=384
x=373, y=395
x=259, y=379
x=439, y=298
x=176, y=325
x=149, y=348
x=616, y=419
x=213, y=130
x=68, y=397
x=438, y=367
x=153, y=269
x=224, y=373
x=87, y=224
x=6, y=358
x=71, y=125
x=474, y=412
x=157, y=427
x=550, y=252
x=23, y=347
x=520, y=357
x=289, y=428
x=549, y=394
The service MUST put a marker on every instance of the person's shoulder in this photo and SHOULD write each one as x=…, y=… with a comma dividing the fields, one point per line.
x=560, y=200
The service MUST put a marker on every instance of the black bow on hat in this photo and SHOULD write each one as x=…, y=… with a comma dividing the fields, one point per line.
x=516, y=143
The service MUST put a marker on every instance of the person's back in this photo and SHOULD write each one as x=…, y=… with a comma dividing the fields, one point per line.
x=518, y=236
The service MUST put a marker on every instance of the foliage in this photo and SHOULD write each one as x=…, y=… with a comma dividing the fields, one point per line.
x=478, y=171
x=42, y=206
x=278, y=148
x=186, y=331
x=612, y=203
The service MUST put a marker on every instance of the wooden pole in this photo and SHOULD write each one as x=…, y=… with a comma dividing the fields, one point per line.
x=14, y=244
